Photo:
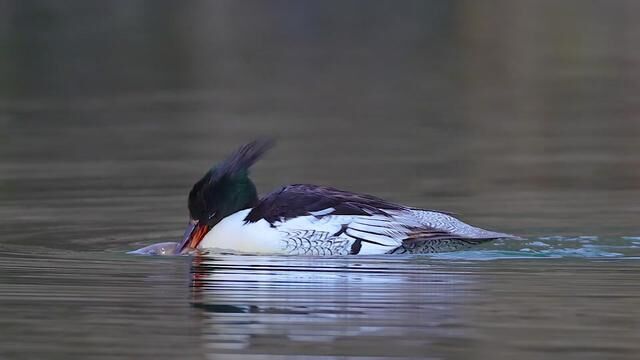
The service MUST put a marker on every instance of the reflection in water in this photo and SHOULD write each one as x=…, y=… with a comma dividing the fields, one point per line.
x=413, y=307
x=331, y=306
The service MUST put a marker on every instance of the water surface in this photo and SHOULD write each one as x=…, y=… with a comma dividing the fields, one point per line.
x=520, y=118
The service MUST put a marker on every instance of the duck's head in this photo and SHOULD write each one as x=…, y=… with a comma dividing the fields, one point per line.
x=222, y=191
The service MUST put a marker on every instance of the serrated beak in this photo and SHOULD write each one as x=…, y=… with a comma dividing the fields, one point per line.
x=193, y=235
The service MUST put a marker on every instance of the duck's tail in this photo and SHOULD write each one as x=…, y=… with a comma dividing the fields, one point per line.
x=465, y=232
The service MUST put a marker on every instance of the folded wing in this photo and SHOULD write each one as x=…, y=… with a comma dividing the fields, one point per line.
x=318, y=218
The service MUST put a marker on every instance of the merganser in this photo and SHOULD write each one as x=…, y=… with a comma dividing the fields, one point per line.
x=227, y=215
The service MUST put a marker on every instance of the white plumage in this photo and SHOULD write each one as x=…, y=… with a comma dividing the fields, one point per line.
x=333, y=234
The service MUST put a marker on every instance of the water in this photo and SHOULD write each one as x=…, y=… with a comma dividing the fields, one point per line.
x=522, y=119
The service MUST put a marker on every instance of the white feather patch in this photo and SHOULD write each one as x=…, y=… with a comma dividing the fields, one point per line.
x=380, y=239
x=322, y=212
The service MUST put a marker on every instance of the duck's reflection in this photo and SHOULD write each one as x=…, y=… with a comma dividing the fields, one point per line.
x=329, y=306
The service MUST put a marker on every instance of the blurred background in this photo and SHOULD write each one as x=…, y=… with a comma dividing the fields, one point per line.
x=520, y=116
x=524, y=113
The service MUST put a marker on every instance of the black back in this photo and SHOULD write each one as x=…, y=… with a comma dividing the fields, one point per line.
x=301, y=199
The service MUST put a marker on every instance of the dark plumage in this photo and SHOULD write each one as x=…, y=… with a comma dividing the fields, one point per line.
x=301, y=199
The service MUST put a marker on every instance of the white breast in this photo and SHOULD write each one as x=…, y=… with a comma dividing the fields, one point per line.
x=233, y=234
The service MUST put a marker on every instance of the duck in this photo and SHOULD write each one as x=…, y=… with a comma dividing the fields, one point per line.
x=226, y=215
